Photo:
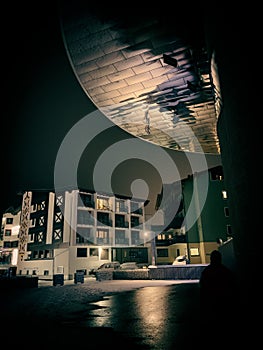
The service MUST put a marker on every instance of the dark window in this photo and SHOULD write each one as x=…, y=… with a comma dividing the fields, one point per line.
x=81, y=252
x=119, y=220
x=162, y=253
x=134, y=221
x=217, y=174
x=9, y=221
x=133, y=254
x=229, y=230
x=103, y=218
x=85, y=200
x=8, y=232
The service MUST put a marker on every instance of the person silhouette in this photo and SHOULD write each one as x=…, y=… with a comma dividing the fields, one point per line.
x=217, y=290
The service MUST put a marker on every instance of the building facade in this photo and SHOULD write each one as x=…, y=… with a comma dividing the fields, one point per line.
x=9, y=241
x=202, y=223
x=78, y=230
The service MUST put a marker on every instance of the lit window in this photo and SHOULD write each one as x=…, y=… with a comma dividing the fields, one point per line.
x=224, y=194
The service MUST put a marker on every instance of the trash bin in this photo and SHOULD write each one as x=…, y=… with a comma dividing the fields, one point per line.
x=58, y=279
x=79, y=277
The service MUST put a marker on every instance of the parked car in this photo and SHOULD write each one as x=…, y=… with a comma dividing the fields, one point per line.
x=181, y=260
x=129, y=266
x=113, y=265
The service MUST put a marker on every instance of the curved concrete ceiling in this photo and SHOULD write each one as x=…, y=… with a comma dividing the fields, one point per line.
x=145, y=73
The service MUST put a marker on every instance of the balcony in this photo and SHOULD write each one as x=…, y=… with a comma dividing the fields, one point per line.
x=122, y=241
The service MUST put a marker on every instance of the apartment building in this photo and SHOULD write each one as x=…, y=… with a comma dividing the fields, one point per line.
x=202, y=222
x=78, y=230
x=9, y=241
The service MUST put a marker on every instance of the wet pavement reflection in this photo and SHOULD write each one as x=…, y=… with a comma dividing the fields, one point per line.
x=152, y=317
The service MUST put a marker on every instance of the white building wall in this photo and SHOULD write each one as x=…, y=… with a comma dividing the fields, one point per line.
x=61, y=261
x=38, y=267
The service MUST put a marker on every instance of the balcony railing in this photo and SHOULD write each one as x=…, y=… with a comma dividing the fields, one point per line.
x=122, y=241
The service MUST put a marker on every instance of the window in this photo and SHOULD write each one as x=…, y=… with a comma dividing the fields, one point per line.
x=85, y=217
x=134, y=221
x=135, y=237
x=33, y=222
x=85, y=200
x=103, y=219
x=31, y=236
x=42, y=221
x=134, y=206
x=81, y=252
x=33, y=208
x=47, y=254
x=59, y=200
x=120, y=237
x=8, y=232
x=103, y=204
x=41, y=206
x=7, y=244
x=194, y=251
x=94, y=252
x=162, y=253
x=120, y=206
x=226, y=210
x=229, y=230
x=133, y=254
x=217, y=174
x=104, y=255
x=84, y=235
x=120, y=220
x=9, y=221
x=39, y=237
x=224, y=194
x=102, y=236
x=58, y=217
x=57, y=234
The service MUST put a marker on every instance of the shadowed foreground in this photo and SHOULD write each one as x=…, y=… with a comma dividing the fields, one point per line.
x=143, y=315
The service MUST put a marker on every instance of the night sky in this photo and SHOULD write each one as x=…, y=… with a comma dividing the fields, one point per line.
x=43, y=101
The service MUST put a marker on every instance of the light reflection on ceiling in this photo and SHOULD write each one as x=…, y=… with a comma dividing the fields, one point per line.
x=144, y=76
